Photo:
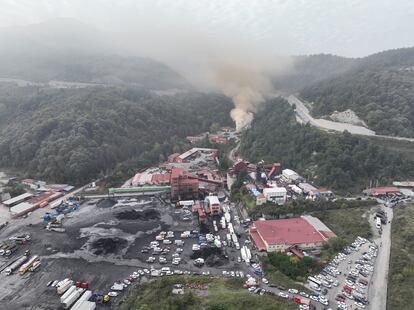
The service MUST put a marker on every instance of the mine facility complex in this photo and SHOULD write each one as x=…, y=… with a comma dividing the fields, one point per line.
x=171, y=219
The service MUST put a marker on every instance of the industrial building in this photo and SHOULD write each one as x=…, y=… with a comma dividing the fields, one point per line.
x=16, y=200
x=34, y=203
x=276, y=195
x=381, y=191
x=290, y=175
x=182, y=186
x=305, y=233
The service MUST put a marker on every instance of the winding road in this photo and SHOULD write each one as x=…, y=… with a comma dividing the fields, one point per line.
x=303, y=116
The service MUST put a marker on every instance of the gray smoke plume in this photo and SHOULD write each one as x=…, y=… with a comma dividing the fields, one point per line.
x=247, y=80
x=247, y=87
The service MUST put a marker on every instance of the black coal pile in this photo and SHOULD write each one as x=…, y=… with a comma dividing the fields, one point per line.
x=211, y=255
x=204, y=228
x=108, y=245
x=132, y=214
x=106, y=203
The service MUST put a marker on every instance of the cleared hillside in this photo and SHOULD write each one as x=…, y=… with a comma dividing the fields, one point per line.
x=379, y=88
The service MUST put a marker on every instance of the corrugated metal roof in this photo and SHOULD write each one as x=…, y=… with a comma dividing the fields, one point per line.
x=17, y=199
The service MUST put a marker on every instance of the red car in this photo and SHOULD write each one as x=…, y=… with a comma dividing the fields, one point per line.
x=340, y=298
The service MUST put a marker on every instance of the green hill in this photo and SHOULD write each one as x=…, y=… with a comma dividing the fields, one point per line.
x=378, y=88
x=72, y=135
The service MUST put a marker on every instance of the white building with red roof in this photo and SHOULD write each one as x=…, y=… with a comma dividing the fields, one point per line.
x=305, y=232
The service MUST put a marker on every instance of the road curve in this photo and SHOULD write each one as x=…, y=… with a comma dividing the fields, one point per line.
x=303, y=116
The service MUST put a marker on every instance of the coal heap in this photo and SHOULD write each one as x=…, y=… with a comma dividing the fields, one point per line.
x=106, y=203
x=132, y=214
x=108, y=245
x=212, y=256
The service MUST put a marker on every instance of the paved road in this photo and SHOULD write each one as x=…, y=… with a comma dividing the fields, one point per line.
x=378, y=289
x=304, y=116
x=232, y=153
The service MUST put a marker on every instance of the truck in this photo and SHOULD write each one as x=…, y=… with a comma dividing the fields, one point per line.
x=35, y=265
x=244, y=255
x=68, y=293
x=63, y=286
x=25, y=267
x=85, y=297
x=17, y=263
x=86, y=305
x=69, y=301
x=313, y=281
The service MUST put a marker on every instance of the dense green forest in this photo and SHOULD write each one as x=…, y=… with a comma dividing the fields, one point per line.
x=72, y=135
x=401, y=281
x=378, y=88
x=338, y=161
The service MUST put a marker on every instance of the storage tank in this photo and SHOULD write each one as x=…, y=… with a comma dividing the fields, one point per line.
x=9, y=270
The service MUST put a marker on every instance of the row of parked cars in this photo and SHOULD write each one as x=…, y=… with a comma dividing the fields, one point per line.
x=356, y=282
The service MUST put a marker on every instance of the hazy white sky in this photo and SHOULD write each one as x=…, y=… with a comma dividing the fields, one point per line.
x=344, y=27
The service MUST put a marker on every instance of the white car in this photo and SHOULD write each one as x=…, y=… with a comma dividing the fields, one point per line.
x=146, y=271
x=112, y=294
x=304, y=294
x=265, y=281
x=360, y=305
x=283, y=295
x=293, y=291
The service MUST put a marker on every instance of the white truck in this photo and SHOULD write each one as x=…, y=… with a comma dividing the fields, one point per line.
x=85, y=297
x=68, y=293
x=63, y=286
x=87, y=305
x=69, y=301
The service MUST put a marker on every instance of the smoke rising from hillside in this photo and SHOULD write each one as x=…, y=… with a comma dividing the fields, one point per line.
x=246, y=78
x=213, y=54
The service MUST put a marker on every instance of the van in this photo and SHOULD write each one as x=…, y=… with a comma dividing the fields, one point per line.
x=179, y=242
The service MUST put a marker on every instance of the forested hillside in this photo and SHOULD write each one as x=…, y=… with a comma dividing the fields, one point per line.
x=306, y=70
x=379, y=88
x=72, y=135
x=103, y=69
x=68, y=50
x=339, y=161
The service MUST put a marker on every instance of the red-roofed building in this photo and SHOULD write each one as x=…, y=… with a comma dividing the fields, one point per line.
x=378, y=191
x=281, y=235
x=217, y=139
x=173, y=157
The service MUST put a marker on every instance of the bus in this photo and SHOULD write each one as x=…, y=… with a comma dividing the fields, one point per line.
x=314, y=281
